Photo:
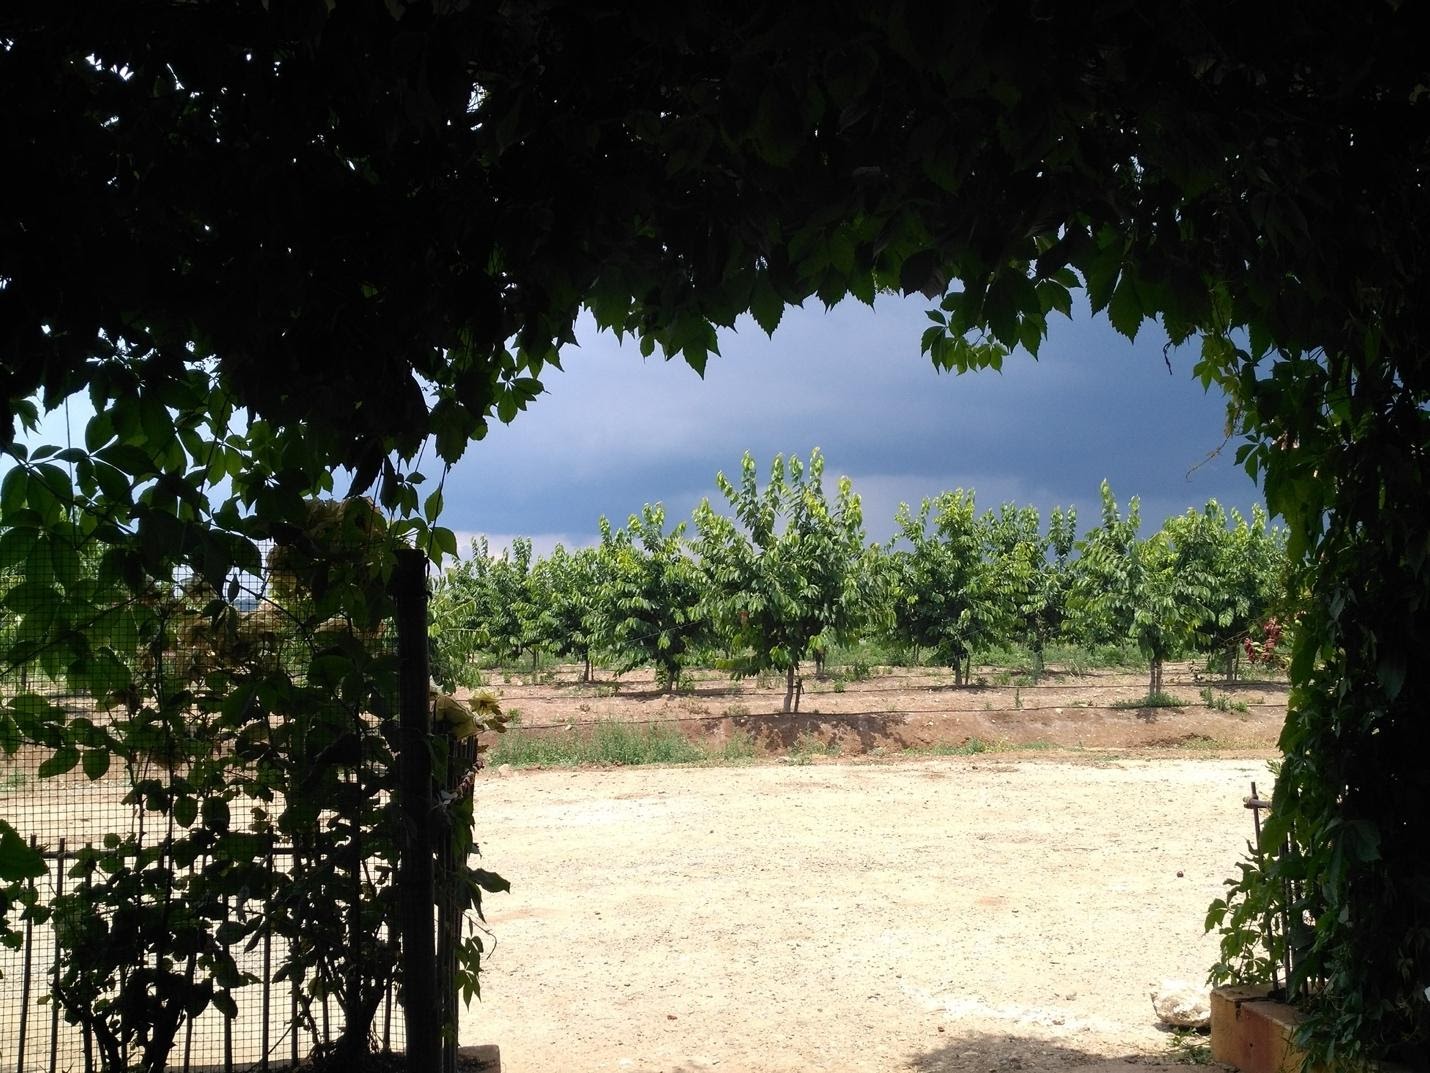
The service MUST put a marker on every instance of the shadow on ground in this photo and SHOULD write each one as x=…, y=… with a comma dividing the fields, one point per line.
x=779, y=732
x=976, y=1052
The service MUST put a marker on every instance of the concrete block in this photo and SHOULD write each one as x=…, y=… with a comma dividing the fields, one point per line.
x=488, y=1054
x=1252, y=1032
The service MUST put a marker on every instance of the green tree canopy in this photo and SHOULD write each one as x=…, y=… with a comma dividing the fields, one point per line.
x=788, y=573
x=648, y=610
x=1031, y=573
x=941, y=589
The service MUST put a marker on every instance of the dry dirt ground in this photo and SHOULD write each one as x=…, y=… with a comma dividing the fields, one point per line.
x=997, y=912
x=910, y=708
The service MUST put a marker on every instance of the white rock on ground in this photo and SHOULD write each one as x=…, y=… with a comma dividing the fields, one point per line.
x=1182, y=1005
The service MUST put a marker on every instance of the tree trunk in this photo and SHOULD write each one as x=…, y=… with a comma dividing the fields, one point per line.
x=672, y=671
x=1037, y=651
x=587, y=671
x=819, y=662
x=1233, y=658
x=957, y=671
x=789, y=687
x=1154, y=680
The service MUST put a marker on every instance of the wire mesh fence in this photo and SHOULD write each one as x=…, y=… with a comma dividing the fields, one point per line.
x=213, y=788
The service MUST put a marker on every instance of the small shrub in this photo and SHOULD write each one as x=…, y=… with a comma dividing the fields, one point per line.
x=1222, y=704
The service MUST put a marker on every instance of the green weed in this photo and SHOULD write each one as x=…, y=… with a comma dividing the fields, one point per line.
x=1221, y=704
x=737, y=749
x=607, y=743
x=975, y=746
x=1189, y=1047
x=1152, y=700
x=807, y=746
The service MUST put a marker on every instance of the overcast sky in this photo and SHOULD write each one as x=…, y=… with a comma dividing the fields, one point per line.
x=615, y=431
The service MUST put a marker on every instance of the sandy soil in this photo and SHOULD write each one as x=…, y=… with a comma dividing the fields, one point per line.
x=982, y=914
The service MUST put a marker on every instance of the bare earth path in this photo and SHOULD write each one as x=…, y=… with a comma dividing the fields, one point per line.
x=984, y=913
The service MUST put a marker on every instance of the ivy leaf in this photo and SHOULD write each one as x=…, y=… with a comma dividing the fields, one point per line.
x=18, y=861
x=490, y=881
x=432, y=508
x=919, y=273
x=1125, y=310
x=61, y=761
x=766, y=306
x=14, y=491
x=95, y=763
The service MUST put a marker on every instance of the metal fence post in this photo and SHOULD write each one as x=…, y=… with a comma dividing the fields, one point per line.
x=416, y=885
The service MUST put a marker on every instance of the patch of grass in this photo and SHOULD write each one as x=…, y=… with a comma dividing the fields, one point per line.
x=607, y=742
x=736, y=710
x=737, y=749
x=807, y=746
x=975, y=746
x=1152, y=700
x=1222, y=703
x=1205, y=743
x=971, y=747
x=1190, y=1047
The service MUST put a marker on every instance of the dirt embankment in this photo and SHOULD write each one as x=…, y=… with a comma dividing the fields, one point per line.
x=916, y=708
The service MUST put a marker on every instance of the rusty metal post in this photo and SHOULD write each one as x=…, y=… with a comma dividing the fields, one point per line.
x=416, y=894
x=1256, y=804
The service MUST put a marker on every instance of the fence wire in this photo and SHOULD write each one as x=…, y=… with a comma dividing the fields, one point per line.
x=232, y=962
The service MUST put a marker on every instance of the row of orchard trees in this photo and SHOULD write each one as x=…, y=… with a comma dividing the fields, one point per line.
x=787, y=572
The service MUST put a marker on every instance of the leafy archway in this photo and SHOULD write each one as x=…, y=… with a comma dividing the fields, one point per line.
x=275, y=241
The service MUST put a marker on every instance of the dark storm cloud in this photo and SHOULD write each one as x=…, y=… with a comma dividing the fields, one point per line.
x=614, y=431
